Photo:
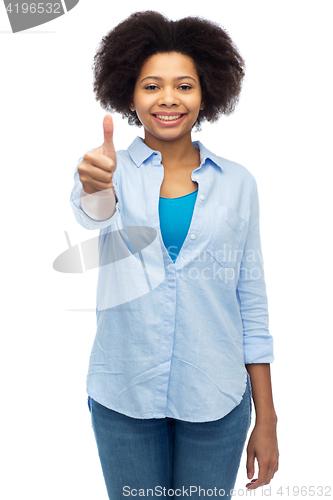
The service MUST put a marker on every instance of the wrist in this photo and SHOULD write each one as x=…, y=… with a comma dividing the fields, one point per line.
x=267, y=418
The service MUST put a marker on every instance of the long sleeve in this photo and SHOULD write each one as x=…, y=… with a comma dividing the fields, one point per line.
x=171, y=336
x=251, y=294
x=98, y=207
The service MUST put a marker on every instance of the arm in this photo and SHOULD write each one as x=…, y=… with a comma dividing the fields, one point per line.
x=94, y=217
x=95, y=198
x=260, y=377
x=258, y=351
x=262, y=444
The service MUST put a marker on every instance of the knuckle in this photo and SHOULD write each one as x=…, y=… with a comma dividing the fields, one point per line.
x=82, y=168
x=109, y=176
x=87, y=157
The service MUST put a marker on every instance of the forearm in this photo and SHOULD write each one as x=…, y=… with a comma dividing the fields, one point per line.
x=260, y=376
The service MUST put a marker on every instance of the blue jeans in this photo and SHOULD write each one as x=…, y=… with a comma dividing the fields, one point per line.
x=169, y=457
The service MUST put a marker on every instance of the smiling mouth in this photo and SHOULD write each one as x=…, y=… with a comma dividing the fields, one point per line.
x=168, y=118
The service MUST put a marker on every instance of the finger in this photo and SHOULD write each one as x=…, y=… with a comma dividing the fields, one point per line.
x=98, y=186
x=263, y=475
x=108, y=146
x=96, y=177
x=252, y=484
x=250, y=465
x=102, y=176
x=266, y=472
x=97, y=159
x=261, y=480
x=274, y=469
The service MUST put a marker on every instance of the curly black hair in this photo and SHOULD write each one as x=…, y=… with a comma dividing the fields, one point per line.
x=123, y=51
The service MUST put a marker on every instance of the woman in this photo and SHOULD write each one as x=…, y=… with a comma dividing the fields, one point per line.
x=182, y=323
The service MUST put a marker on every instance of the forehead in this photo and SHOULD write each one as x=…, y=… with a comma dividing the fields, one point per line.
x=168, y=64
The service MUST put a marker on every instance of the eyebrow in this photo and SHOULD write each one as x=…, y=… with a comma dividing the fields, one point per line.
x=175, y=79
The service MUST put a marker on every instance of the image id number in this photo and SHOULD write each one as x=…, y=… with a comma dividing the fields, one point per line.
x=34, y=8
x=320, y=491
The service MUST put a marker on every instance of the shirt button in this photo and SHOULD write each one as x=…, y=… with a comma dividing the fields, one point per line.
x=202, y=197
x=192, y=236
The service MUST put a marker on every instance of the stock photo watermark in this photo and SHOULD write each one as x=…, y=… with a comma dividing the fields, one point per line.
x=132, y=240
x=269, y=491
x=138, y=252
x=26, y=14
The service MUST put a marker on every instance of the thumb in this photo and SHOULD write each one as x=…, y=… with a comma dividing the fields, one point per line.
x=250, y=465
x=108, y=146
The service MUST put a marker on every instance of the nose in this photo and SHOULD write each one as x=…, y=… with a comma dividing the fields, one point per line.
x=168, y=98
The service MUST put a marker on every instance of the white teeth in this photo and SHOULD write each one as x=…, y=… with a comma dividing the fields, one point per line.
x=167, y=118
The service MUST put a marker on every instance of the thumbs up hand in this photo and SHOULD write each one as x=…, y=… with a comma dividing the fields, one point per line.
x=98, y=166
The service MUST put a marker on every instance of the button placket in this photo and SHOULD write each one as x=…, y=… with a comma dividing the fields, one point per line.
x=195, y=222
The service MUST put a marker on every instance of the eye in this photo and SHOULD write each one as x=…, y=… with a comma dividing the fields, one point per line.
x=151, y=87
x=185, y=87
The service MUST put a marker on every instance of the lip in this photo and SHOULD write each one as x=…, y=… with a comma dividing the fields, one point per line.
x=168, y=123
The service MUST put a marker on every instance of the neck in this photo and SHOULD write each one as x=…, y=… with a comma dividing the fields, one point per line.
x=177, y=152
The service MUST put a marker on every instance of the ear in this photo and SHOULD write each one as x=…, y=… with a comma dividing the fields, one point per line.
x=132, y=107
x=202, y=106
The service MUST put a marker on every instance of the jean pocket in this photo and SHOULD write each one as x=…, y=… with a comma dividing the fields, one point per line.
x=224, y=244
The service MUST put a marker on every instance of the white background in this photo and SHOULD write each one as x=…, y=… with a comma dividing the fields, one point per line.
x=281, y=131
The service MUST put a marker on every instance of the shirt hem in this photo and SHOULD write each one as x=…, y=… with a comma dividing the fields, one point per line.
x=167, y=415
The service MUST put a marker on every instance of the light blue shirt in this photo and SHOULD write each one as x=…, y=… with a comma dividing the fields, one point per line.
x=173, y=337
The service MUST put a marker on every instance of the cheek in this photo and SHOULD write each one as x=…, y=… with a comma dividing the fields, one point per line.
x=143, y=105
x=196, y=102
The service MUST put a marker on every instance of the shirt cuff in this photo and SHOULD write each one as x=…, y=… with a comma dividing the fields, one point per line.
x=259, y=349
x=99, y=205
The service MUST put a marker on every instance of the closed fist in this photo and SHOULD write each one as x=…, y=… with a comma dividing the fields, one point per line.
x=98, y=166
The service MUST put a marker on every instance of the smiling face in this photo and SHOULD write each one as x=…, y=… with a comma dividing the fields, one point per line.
x=167, y=96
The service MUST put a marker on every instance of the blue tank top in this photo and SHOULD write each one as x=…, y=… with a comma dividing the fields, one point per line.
x=175, y=220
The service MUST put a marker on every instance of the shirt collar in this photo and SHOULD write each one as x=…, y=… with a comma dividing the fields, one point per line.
x=140, y=152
